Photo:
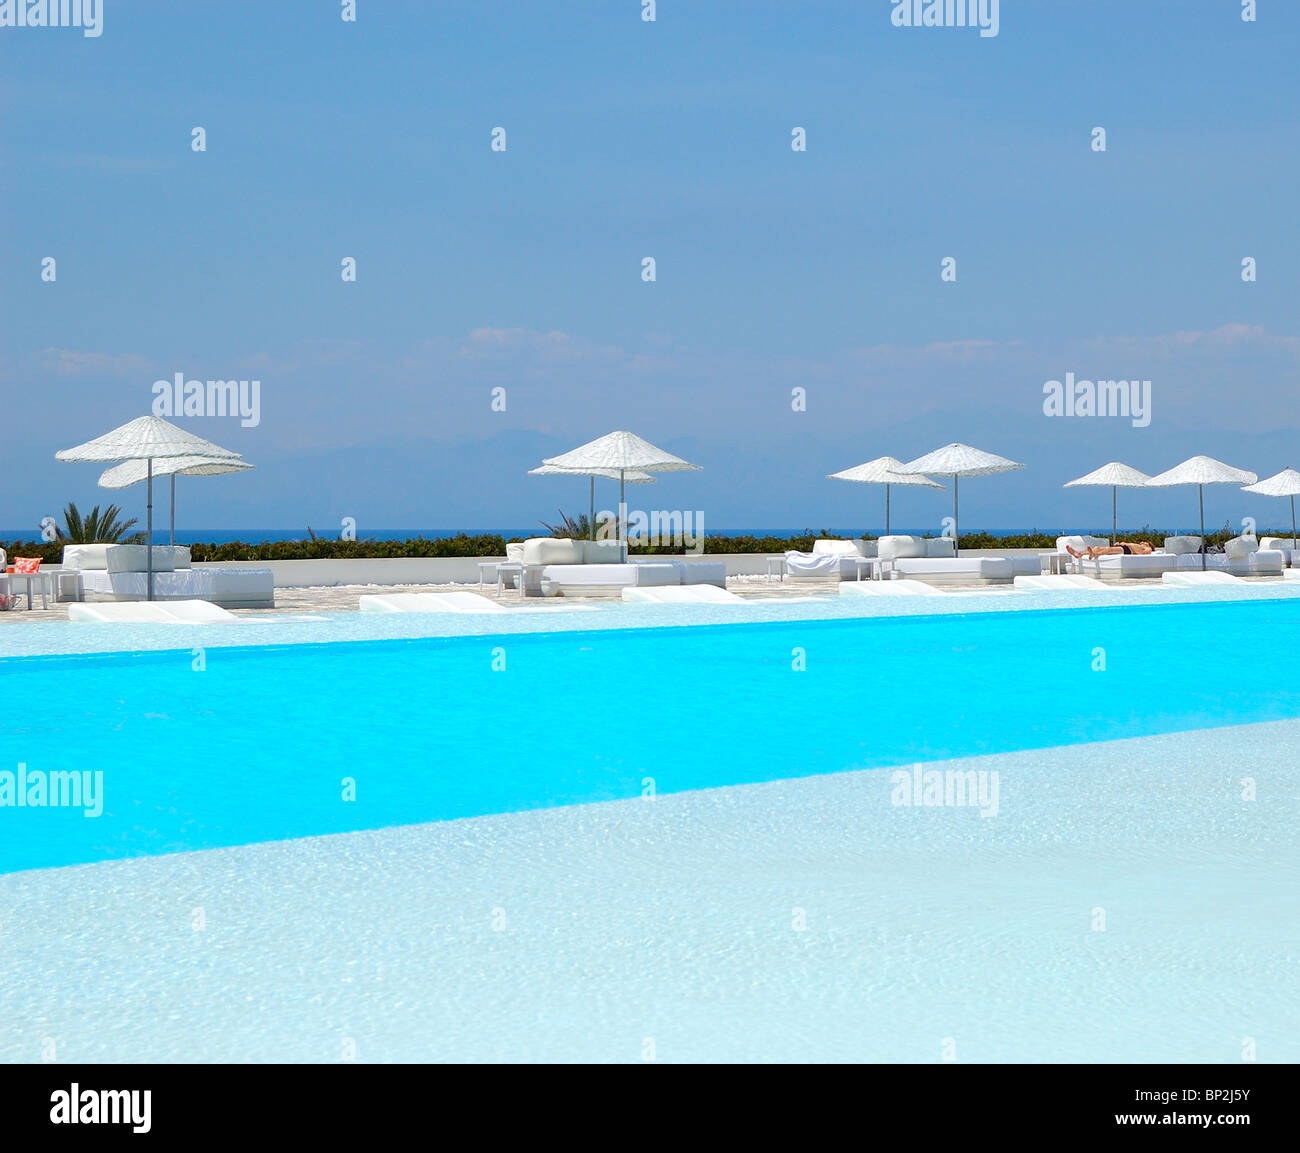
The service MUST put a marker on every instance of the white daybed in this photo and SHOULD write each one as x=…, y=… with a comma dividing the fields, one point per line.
x=931, y=559
x=553, y=566
x=120, y=572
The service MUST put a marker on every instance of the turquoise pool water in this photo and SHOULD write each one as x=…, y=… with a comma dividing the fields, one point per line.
x=262, y=742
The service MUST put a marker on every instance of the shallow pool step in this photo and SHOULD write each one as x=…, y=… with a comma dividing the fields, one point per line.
x=429, y=603
x=1062, y=582
x=681, y=594
x=1191, y=578
x=894, y=588
x=137, y=612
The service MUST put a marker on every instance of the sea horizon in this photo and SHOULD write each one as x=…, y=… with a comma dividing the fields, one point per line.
x=190, y=536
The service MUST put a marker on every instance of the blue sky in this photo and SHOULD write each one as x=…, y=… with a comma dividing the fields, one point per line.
x=775, y=269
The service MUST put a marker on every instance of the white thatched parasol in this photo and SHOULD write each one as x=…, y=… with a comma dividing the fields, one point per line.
x=636, y=476
x=1284, y=483
x=1116, y=476
x=957, y=461
x=1200, y=471
x=620, y=452
x=884, y=470
x=147, y=438
x=134, y=471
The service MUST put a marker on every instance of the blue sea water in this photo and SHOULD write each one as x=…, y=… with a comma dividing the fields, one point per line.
x=281, y=741
x=258, y=535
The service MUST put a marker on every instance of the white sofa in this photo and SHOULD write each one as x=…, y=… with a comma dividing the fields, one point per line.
x=831, y=559
x=540, y=551
x=934, y=559
x=950, y=570
x=597, y=579
x=1119, y=566
x=1241, y=556
x=554, y=566
x=120, y=572
x=1182, y=545
x=693, y=572
x=1284, y=545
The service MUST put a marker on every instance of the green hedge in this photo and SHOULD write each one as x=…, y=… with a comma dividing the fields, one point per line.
x=465, y=545
x=326, y=549
x=50, y=552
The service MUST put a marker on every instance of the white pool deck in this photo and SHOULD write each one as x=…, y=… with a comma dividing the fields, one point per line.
x=670, y=927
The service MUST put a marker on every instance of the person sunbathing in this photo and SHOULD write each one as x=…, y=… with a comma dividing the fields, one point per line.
x=1093, y=551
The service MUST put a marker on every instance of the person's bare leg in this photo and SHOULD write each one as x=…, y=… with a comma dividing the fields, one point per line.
x=1074, y=552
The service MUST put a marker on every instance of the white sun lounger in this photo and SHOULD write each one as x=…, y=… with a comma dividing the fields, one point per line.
x=891, y=588
x=1185, y=578
x=682, y=594
x=429, y=603
x=1050, y=582
x=169, y=612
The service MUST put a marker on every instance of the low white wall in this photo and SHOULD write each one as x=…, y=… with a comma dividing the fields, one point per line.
x=464, y=570
x=434, y=570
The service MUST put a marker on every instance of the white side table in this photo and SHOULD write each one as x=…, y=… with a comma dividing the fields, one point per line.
x=865, y=564
x=509, y=566
x=42, y=580
x=779, y=562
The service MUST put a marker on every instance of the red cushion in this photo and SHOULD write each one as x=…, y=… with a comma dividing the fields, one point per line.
x=27, y=564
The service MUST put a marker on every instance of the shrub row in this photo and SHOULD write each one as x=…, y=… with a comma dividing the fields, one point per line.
x=491, y=544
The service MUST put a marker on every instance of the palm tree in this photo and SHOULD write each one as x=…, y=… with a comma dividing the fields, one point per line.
x=573, y=527
x=96, y=527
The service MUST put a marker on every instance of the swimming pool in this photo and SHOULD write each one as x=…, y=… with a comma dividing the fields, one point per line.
x=236, y=745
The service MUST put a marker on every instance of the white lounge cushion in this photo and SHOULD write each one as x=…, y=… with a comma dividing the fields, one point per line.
x=1279, y=542
x=552, y=550
x=515, y=552
x=849, y=548
x=682, y=594
x=1152, y=565
x=1080, y=542
x=976, y=567
x=1182, y=545
x=86, y=556
x=940, y=546
x=558, y=576
x=603, y=551
x=135, y=558
x=1264, y=562
x=899, y=547
x=170, y=557
x=1240, y=547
